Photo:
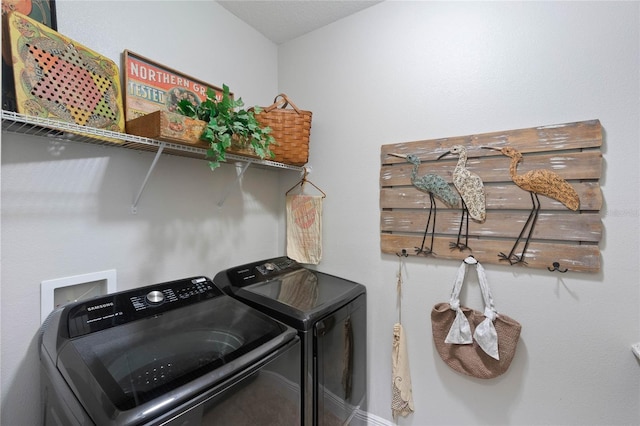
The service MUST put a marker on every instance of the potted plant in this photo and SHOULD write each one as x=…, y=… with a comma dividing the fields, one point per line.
x=228, y=125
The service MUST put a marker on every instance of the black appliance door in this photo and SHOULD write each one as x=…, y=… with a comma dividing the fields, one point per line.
x=136, y=371
x=340, y=364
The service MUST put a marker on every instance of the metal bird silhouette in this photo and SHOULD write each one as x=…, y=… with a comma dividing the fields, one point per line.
x=436, y=187
x=471, y=189
x=540, y=181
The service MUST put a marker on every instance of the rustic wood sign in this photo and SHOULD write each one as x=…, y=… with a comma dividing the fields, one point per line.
x=561, y=239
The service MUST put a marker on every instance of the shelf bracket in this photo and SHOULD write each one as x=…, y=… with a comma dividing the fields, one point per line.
x=134, y=206
x=228, y=191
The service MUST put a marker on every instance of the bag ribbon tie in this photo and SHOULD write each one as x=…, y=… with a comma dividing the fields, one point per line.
x=485, y=333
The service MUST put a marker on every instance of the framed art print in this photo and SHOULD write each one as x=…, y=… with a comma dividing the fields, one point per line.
x=43, y=11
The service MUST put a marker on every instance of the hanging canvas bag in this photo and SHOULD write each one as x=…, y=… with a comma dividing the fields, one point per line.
x=304, y=228
x=479, y=344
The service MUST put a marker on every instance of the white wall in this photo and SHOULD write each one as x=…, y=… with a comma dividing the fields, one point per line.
x=398, y=71
x=66, y=208
x=402, y=71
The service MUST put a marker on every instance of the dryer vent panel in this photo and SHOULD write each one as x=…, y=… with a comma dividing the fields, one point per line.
x=57, y=292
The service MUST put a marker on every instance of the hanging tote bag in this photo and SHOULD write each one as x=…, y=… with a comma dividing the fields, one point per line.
x=479, y=344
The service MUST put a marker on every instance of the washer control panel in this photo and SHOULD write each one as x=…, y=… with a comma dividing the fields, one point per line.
x=183, y=291
x=119, y=308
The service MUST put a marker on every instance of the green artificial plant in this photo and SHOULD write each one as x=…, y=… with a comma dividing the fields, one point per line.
x=228, y=124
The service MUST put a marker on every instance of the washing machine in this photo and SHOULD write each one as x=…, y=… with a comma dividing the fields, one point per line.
x=175, y=353
x=329, y=314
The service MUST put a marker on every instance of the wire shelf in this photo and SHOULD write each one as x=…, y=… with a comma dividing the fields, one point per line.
x=13, y=122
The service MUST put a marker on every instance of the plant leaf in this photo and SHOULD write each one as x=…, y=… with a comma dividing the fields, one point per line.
x=225, y=118
x=186, y=108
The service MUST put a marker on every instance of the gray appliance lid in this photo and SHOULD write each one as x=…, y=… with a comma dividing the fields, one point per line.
x=290, y=293
x=150, y=356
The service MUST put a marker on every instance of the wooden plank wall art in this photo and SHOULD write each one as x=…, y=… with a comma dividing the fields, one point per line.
x=515, y=168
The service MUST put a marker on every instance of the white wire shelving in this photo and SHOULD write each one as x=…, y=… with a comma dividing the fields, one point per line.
x=51, y=129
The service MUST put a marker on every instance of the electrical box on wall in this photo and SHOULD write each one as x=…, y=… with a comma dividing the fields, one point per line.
x=57, y=292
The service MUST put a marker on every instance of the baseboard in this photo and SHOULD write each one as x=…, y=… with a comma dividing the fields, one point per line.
x=363, y=418
x=335, y=404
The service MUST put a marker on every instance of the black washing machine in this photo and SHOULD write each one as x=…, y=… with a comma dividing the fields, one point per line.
x=176, y=353
x=330, y=316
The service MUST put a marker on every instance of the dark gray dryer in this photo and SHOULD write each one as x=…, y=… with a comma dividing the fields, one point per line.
x=330, y=316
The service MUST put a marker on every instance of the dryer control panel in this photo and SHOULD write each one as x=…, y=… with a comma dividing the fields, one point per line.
x=276, y=265
x=264, y=270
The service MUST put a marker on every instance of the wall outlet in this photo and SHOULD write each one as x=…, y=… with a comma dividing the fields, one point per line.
x=636, y=349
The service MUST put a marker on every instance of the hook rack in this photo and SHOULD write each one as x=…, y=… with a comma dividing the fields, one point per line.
x=556, y=268
x=571, y=150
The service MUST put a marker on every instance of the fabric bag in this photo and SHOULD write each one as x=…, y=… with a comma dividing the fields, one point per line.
x=479, y=344
x=304, y=228
x=402, y=392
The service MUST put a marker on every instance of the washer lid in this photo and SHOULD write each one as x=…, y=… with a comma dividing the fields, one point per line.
x=159, y=360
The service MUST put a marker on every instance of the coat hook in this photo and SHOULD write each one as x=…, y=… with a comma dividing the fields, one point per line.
x=556, y=267
x=403, y=253
x=470, y=260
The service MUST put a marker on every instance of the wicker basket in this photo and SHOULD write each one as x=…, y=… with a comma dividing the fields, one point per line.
x=290, y=128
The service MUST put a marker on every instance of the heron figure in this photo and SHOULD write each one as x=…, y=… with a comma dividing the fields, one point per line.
x=436, y=187
x=471, y=189
x=540, y=181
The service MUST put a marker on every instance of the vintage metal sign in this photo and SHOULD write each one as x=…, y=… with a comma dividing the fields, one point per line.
x=152, y=87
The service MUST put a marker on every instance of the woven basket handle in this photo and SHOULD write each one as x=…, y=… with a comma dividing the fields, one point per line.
x=283, y=103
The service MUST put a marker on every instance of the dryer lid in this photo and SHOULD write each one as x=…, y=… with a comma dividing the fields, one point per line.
x=301, y=297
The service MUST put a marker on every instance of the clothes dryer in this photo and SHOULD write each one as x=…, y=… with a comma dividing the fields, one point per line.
x=330, y=315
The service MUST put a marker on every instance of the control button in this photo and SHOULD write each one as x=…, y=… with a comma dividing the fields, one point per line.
x=155, y=297
x=270, y=266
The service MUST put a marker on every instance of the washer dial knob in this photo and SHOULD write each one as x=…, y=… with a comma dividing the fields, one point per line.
x=155, y=297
